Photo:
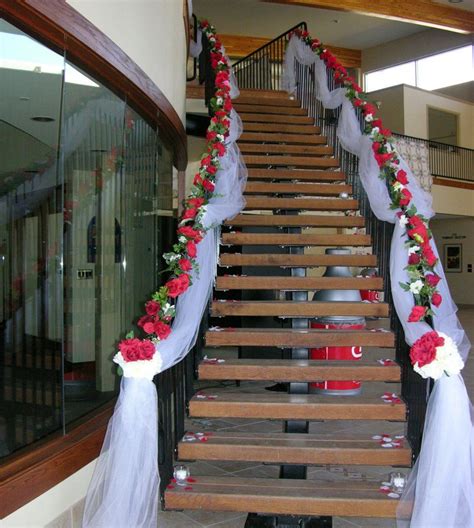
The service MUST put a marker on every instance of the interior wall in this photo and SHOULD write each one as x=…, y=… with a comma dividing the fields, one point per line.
x=152, y=33
x=391, y=107
x=412, y=47
x=445, y=231
x=453, y=200
x=464, y=91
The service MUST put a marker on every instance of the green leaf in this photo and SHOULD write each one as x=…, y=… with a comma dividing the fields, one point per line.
x=130, y=335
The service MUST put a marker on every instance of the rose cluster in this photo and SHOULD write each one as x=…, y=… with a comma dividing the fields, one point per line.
x=182, y=259
x=421, y=257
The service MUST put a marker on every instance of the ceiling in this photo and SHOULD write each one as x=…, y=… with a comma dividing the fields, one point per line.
x=260, y=19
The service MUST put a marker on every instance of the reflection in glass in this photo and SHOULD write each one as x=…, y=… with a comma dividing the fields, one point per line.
x=30, y=240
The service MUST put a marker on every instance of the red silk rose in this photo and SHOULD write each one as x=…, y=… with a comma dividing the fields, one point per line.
x=417, y=313
x=406, y=197
x=432, y=279
x=149, y=327
x=191, y=249
x=436, y=299
x=185, y=264
x=162, y=330
x=208, y=185
x=414, y=259
x=423, y=350
x=191, y=233
x=136, y=349
x=402, y=177
x=195, y=203
x=429, y=255
x=189, y=214
x=152, y=307
x=143, y=320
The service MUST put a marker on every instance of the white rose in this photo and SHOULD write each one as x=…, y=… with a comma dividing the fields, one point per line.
x=369, y=118
x=398, y=186
x=432, y=370
x=142, y=368
x=375, y=131
x=182, y=239
x=448, y=356
x=413, y=249
x=415, y=287
x=403, y=220
x=219, y=101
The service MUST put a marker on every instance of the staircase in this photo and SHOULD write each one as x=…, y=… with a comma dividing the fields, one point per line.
x=298, y=204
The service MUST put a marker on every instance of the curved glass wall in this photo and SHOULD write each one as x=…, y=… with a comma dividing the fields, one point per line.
x=85, y=210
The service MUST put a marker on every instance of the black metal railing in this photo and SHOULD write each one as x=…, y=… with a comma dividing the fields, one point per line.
x=263, y=68
x=414, y=388
x=444, y=160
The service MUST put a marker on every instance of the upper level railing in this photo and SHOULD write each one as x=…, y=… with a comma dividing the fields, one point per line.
x=263, y=68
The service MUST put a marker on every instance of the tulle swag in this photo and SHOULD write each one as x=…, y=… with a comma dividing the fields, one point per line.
x=440, y=487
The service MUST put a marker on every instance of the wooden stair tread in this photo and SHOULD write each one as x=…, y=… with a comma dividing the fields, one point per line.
x=278, y=406
x=297, y=150
x=297, y=308
x=296, y=220
x=291, y=161
x=296, y=261
x=275, y=118
x=303, y=204
x=283, y=496
x=296, y=175
x=244, y=108
x=282, y=128
x=284, y=448
x=269, y=239
x=254, y=282
x=324, y=189
x=294, y=338
x=297, y=370
x=294, y=139
x=267, y=100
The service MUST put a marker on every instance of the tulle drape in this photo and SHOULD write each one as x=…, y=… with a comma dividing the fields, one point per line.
x=440, y=491
x=124, y=489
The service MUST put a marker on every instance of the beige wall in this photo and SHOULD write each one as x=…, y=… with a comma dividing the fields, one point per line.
x=464, y=91
x=416, y=103
x=451, y=200
x=391, y=107
x=151, y=32
x=460, y=284
x=412, y=47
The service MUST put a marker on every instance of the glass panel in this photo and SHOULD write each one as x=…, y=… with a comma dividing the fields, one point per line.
x=446, y=69
x=401, y=74
x=30, y=240
x=92, y=164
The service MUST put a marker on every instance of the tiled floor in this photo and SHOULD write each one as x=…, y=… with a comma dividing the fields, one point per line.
x=201, y=519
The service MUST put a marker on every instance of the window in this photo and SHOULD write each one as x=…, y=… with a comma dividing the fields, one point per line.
x=442, y=126
x=443, y=69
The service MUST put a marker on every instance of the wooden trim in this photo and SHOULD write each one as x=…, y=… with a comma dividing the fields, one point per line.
x=37, y=468
x=421, y=12
x=61, y=27
x=453, y=183
x=239, y=46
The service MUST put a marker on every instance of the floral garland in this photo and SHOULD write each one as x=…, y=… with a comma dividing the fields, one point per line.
x=160, y=309
x=421, y=259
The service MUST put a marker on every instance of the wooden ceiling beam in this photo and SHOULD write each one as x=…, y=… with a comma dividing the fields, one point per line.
x=238, y=46
x=421, y=12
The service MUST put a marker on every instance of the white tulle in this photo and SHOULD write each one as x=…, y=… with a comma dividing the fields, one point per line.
x=124, y=490
x=440, y=491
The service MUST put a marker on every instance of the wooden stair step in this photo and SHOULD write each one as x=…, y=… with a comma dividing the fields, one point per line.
x=291, y=161
x=253, y=282
x=284, y=448
x=278, y=406
x=297, y=150
x=281, y=128
x=317, y=189
x=275, y=118
x=306, y=220
x=296, y=261
x=258, y=92
x=267, y=100
x=297, y=370
x=283, y=496
x=306, y=204
x=295, y=338
x=244, y=108
x=296, y=175
x=293, y=139
x=222, y=308
x=277, y=239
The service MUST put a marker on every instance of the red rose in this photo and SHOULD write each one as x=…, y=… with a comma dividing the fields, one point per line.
x=210, y=135
x=178, y=286
x=208, y=185
x=402, y=177
x=382, y=159
x=377, y=122
x=143, y=320
x=376, y=146
x=197, y=179
x=185, y=264
x=191, y=249
x=211, y=170
x=162, y=330
x=189, y=213
x=149, y=327
x=357, y=102
x=220, y=148
x=414, y=259
x=206, y=161
x=152, y=307
x=136, y=349
x=386, y=132
x=184, y=280
x=195, y=202
x=423, y=350
x=406, y=197
x=419, y=234
x=227, y=104
x=191, y=233
x=436, y=299
x=417, y=313
x=369, y=108
x=432, y=279
x=429, y=255
x=147, y=350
